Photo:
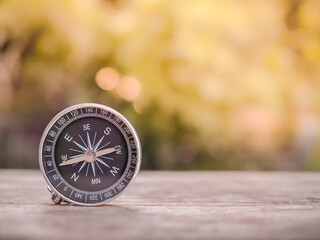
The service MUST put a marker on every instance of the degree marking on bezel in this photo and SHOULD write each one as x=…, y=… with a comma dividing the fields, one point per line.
x=59, y=183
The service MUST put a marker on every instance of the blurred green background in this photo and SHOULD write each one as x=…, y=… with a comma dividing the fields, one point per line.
x=223, y=85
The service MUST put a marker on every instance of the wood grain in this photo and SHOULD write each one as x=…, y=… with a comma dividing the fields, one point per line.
x=169, y=205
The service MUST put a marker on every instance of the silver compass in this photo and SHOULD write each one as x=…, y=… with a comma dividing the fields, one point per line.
x=88, y=154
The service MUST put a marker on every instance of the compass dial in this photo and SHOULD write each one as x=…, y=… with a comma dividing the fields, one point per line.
x=89, y=154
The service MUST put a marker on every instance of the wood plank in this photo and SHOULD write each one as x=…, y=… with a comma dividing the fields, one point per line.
x=169, y=205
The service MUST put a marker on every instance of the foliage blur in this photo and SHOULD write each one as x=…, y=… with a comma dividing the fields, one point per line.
x=207, y=84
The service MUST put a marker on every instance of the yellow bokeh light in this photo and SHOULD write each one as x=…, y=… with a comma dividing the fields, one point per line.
x=138, y=106
x=129, y=88
x=107, y=78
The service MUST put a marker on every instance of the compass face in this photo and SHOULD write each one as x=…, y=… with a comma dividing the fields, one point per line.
x=89, y=154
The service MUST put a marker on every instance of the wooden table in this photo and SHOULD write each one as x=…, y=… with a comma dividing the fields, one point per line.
x=169, y=205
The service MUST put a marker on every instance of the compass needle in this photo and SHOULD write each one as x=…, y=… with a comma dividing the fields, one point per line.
x=88, y=156
x=105, y=151
x=89, y=153
x=72, y=161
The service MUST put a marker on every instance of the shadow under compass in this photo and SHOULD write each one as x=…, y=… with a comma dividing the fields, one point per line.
x=70, y=208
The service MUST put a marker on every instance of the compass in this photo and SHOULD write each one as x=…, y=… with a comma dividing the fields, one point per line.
x=88, y=154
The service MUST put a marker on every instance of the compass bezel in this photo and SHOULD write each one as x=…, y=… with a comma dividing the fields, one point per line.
x=133, y=164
